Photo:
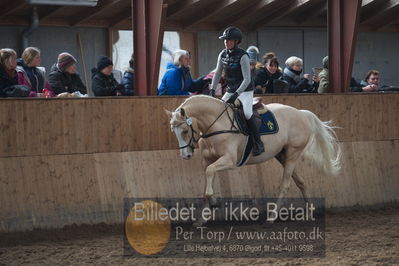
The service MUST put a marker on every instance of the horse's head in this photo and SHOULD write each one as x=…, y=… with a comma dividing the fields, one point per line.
x=182, y=126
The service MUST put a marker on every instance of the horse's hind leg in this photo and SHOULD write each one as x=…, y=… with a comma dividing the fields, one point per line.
x=297, y=179
x=289, y=159
x=301, y=185
x=286, y=181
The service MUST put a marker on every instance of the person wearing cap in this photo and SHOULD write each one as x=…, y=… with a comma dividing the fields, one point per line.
x=63, y=76
x=103, y=82
x=234, y=62
x=253, y=53
x=323, y=77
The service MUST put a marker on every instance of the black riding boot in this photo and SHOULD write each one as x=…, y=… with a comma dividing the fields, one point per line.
x=254, y=130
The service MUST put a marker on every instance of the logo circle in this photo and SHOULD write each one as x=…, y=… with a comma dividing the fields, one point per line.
x=146, y=231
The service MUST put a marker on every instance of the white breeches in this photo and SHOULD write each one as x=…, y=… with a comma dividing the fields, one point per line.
x=246, y=99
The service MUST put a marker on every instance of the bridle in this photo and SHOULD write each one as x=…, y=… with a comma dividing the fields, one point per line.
x=193, y=140
x=189, y=122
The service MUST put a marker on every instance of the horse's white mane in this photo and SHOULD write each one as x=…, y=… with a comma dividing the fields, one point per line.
x=198, y=97
x=202, y=100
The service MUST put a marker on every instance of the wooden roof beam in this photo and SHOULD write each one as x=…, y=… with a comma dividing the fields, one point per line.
x=119, y=18
x=51, y=12
x=390, y=17
x=284, y=10
x=313, y=9
x=369, y=8
x=12, y=7
x=376, y=10
x=367, y=2
x=208, y=12
x=254, y=7
x=180, y=7
x=321, y=9
x=93, y=11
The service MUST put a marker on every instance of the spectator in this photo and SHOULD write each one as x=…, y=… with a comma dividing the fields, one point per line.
x=8, y=74
x=253, y=53
x=292, y=73
x=177, y=79
x=201, y=85
x=220, y=87
x=373, y=80
x=118, y=75
x=265, y=76
x=128, y=79
x=63, y=76
x=103, y=81
x=323, y=77
x=370, y=84
x=355, y=85
x=30, y=75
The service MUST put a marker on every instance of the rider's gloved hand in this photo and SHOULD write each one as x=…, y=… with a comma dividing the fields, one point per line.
x=232, y=98
x=212, y=93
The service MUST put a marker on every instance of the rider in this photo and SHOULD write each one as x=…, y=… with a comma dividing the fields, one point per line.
x=234, y=62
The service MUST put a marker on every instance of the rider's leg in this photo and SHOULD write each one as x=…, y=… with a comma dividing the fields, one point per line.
x=254, y=129
x=258, y=144
x=246, y=99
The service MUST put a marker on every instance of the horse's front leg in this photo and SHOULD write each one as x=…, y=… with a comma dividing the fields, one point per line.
x=211, y=168
x=223, y=163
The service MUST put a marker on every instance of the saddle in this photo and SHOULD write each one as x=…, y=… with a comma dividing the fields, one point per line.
x=265, y=120
x=258, y=109
x=258, y=105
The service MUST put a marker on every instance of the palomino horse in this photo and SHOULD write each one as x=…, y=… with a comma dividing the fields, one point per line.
x=208, y=121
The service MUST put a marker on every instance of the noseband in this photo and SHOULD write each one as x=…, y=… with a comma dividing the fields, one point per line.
x=189, y=122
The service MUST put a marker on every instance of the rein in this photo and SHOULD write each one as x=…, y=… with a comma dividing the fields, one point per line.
x=189, y=122
x=204, y=136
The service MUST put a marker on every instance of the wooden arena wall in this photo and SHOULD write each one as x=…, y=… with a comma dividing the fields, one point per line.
x=65, y=161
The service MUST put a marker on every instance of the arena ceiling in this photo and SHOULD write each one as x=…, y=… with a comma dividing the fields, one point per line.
x=196, y=15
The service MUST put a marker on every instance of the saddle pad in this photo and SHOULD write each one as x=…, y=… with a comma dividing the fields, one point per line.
x=269, y=124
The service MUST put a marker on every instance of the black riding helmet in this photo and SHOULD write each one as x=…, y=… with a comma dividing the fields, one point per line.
x=231, y=33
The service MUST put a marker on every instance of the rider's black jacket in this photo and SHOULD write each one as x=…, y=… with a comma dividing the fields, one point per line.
x=232, y=69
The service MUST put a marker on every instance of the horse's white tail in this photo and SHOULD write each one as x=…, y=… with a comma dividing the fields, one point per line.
x=322, y=147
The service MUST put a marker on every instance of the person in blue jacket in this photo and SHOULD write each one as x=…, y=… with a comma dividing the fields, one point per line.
x=177, y=79
x=128, y=79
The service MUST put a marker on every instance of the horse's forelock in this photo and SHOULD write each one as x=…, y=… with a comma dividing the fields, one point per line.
x=175, y=120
